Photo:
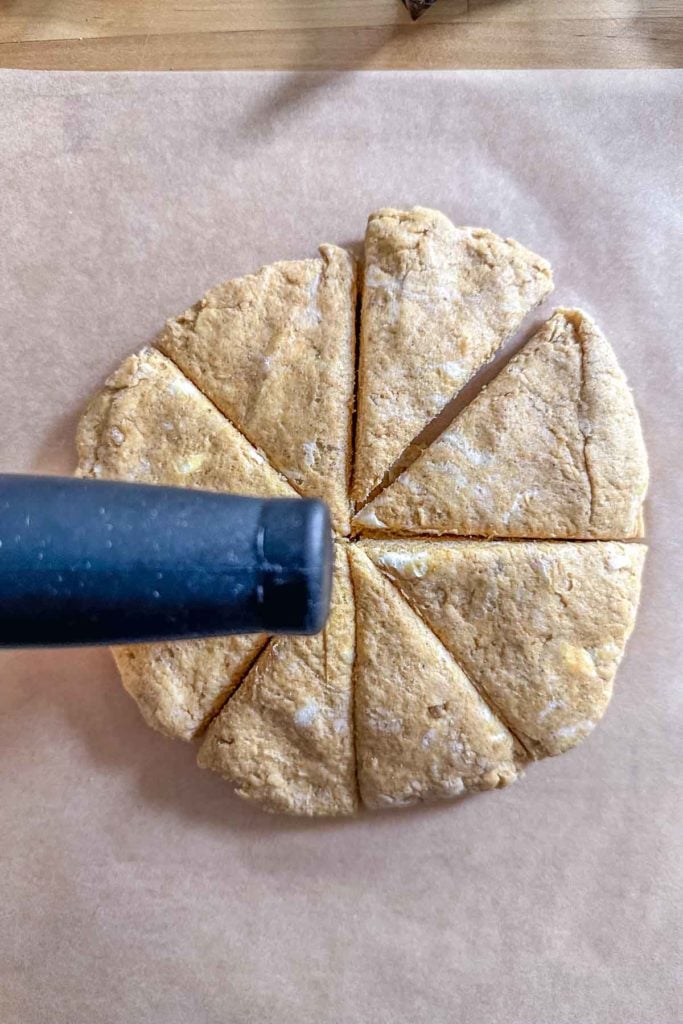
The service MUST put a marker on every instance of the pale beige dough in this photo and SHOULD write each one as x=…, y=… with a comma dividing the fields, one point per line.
x=286, y=737
x=471, y=657
x=179, y=687
x=539, y=628
x=552, y=448
x=152, y=425
x=422, y=730
x=275, y=351
x=437, y=303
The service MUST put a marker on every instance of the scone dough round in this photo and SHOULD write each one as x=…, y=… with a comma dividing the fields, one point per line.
x=482, y=596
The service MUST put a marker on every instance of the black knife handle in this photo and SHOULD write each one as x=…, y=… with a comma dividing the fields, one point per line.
x=94, y=562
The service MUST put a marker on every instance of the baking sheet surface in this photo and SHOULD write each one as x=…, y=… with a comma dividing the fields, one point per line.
x=136, y=887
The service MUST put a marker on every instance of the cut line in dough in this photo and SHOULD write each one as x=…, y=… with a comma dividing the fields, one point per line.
x=438, y=301
x=285, y=738
x=552, y=448
x=509, y=648
x=275, y=352
x=423, y=732
x=539, y=628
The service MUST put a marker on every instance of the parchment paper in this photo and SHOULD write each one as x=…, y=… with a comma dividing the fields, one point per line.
x=136, y=888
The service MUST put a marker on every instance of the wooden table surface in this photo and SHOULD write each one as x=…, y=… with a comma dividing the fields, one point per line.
x=320, y=34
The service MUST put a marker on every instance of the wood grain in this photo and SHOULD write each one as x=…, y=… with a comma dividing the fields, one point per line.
x=338, y=34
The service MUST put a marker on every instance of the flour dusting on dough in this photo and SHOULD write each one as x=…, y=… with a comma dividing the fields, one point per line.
x=404, y=562
x=306, y=715
x=571, y=732
x=193, y=463
x=462, y=445
x=367, y=517
x=181, y=386
x=618, y=560
x=310, y=453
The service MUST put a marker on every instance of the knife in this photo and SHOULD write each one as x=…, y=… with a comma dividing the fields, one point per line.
x=104, y=562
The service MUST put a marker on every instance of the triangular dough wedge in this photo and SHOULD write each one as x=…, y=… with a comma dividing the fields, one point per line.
x=539, y=628
x=275, y=351
x=152, y=425
x=437, y=303
x=551, y=448
x=422, y=730
x=179, y=687
x=285, y=739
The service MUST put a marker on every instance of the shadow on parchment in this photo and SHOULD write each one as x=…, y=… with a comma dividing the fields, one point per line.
x=81, y=690
x=57, y=453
